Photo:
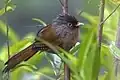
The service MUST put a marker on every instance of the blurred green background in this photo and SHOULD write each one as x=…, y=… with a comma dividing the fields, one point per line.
x=40, y=67
x=21, y=18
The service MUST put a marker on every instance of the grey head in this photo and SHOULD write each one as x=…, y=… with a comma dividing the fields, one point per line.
x=67, y=19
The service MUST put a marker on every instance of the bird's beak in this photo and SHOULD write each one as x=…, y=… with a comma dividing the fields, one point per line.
x=80, y=24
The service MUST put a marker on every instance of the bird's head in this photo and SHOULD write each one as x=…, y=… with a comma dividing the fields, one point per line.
x=67, y=19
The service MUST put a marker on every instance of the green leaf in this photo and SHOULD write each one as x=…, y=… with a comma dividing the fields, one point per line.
x=12, y=34
x=84, y=48
x=36, y=59
x=114, y=50
x=14, y=48
x=8, y=8
x=11, y=7
x=75, y=49
x=96, y=64
x=45, y=70
x=90, y=18
x=69, y=59
x=1, y=68
x=88, y=71
x=46, y=76
x=107, y=62
x=40, y=21
x=8, y=1
x=17, y=74
x=2, y=11
x=26, y=66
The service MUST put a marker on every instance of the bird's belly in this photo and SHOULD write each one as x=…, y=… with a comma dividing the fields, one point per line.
x=68, y=38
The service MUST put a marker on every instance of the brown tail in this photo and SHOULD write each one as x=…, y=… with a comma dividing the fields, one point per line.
x=66, y=72
x=19, y=57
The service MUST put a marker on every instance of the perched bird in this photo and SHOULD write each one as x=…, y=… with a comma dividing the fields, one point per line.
x=63, y=32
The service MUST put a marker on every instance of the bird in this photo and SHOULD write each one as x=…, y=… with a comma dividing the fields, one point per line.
x=63, y=32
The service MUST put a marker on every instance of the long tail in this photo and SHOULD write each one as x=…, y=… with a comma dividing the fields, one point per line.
x=19, y=57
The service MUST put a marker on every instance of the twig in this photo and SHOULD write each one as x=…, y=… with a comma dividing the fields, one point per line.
x=7, y=32
x=100, y=26
x=61, y=3
x=80, y=12
x=65, y=11
x=116, y=65
x=65, y=7
x=66, y=68
x=110, y=14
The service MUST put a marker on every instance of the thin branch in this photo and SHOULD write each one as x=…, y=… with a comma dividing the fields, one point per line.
x=7, y=33
x=110, y=14
x=66, y=68
x=100, y=26
x=65, y=7
x=116, y=64
x=80, y=12
x=61, y=3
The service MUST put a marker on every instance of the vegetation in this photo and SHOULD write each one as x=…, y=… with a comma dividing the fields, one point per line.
x=84, y=60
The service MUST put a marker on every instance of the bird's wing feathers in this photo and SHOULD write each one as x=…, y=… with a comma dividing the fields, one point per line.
x=47, y=33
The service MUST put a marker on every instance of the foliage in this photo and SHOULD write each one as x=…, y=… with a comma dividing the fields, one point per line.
x=83, y=60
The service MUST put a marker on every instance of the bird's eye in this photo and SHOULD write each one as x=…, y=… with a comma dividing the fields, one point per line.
x=69, y=24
